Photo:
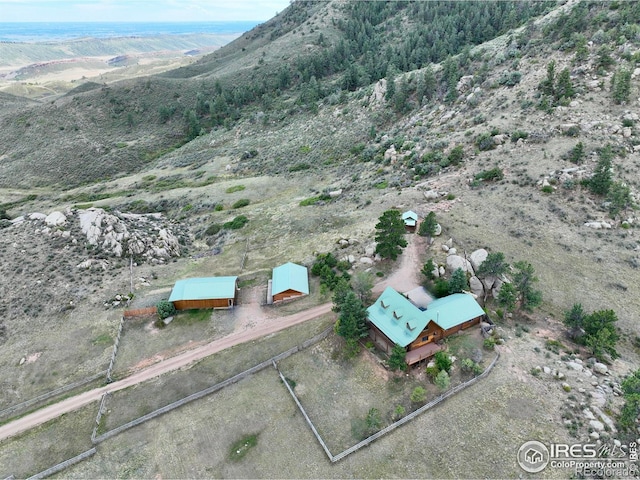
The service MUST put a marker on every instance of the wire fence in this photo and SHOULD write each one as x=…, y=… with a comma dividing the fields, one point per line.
x=200, y=394
x=62, y=465
x=20, y=407
x=393, y=426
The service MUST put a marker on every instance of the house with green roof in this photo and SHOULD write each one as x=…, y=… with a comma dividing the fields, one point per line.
x=289, y=281
x=206, y=292
x=393, y=319
x=410, y=219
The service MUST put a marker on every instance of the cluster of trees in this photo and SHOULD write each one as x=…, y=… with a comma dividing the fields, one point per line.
x=596, y=330
x=556, y=89
x=617, y=194
x=332, y=273
x=390, y=232
x=349, y=302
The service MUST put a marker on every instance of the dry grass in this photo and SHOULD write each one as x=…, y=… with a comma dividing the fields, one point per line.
x=47, y=445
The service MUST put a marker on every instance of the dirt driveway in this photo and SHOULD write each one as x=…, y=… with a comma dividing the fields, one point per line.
x=254, y=323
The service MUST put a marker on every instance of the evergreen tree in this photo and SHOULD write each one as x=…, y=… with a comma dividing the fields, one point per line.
x=458, y=281
x=428, y=269
x=621, y=86
x=390, y=235
x=397, y=358
x=429, y=225
x=442, y=380
x=564, y=87
x=391, y=84
x=507, y=296
x=601, y=335
x=576, y=154
x=574, y=319
x=547, y=86
x=600, y=181
x=619, y=198
x=493, y=266
x=523, y=280
x=351, y=323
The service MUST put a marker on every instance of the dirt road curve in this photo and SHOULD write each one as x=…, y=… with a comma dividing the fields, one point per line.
x=403, y=280
x=73, y=403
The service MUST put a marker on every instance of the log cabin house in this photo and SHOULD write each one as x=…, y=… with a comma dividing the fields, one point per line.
x=393, y=319
x=207, y=292
x=289, y=281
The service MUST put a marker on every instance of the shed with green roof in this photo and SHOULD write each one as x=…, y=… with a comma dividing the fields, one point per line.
x=410, y=219
x=205, y=292
x=393, y=319
x=289, y=281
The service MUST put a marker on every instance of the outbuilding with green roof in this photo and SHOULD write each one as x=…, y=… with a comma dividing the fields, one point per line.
x=205, y=292
x=289, y=281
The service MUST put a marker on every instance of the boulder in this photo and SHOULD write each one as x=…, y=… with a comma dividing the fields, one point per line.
x=366, y=261
x=475, y=285
x=574, y=366
x=37, y=216
x=600, y=368
x=55, y=219
x=596, y=425
x=431, y=195
x=488, y=282
x=444, y=247
x=441, y=270
x=452, y=251
x=588, y=415
x=455, y=262
x=477, y=257
x=335, y=193
x=438, y=231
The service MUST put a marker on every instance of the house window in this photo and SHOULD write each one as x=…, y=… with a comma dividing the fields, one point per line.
x=425, y=339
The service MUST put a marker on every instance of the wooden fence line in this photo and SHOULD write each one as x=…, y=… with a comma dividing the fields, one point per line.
x=115, y=350
x=206, y=391
x=414, y=414
x=62, y=465
x=51, y=394
x=140, y=312
x=304, y=414
x=389, y=428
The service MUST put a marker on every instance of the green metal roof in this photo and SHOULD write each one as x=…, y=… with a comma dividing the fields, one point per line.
x=204, y=288
x=453, y=310
x=410, y=218
x=290, y=277
x=401, y=321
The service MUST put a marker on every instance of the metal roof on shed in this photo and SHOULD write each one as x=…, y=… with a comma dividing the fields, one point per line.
x=290, y=276
x=204, y=288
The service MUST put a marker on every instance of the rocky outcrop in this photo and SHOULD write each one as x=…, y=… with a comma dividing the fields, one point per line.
x=477, y=257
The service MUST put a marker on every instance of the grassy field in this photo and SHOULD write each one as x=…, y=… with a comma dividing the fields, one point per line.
x=195, y=440
x=126, y=405
x=47, y=445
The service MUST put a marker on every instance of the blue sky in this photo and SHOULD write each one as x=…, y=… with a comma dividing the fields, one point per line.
x=138, y=10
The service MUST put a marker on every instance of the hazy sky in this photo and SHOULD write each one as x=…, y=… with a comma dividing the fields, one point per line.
x=138, y=10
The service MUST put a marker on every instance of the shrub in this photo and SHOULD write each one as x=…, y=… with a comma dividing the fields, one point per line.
x=165, y=309
x=237, y=223
x=243, y=202
x=489, y=343
x=443, y=361
x=495, y=174
x=517, y=135
x=432, y=372
x=485, y=142
x=547, y=189
x=235, y=188
x=240, y=448
x=418, y=395
x=213, y=229
x=442, y=380
x=299, y=167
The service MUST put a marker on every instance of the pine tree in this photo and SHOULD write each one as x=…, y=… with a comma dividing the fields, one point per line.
x=507, y=297
x=429, y=225
x=397, y=358
x=523, y=280
x=600, y=181
x=351, y=323
x=458, y=281
x=493, y=266
x=564, y=87
x=621, y=86
x=390, y=235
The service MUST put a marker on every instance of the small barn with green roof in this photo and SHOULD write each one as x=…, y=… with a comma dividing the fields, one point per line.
x=410, y=219
x=289, y=281
x=393, y=319
x=206, y=292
